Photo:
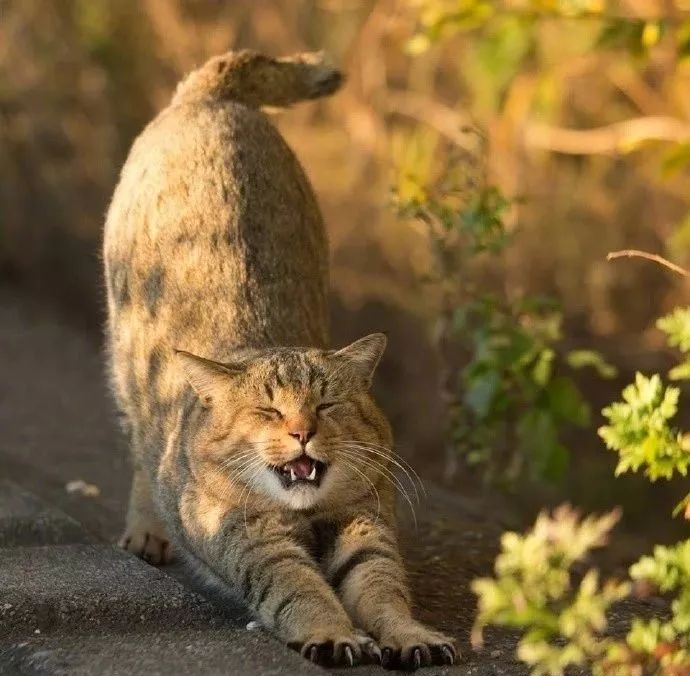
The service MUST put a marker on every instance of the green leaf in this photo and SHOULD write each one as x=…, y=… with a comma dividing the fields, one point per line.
x=543, y=366
x=639, y=430
x=681, y=507
x=680, y=372
x=482, y=221
x=677, y=327
x=538, y=438
x=566, y=402
x=555, y=463
x=578, y=359
x=481, y=393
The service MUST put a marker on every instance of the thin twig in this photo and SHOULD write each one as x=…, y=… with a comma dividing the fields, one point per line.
x=630, y=253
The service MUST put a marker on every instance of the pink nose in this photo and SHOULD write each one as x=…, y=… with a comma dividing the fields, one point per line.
x=302, y=436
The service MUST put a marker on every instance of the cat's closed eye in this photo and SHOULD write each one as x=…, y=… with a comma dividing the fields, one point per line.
x=326, y=405
x=268, y=412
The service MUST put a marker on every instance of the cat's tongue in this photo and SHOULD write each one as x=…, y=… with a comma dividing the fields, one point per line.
x=302, y=467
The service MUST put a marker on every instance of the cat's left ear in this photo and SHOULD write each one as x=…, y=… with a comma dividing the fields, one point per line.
x=207, y=377
x=364, y=354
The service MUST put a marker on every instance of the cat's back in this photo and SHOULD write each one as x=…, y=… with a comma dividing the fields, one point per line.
x=213, y=209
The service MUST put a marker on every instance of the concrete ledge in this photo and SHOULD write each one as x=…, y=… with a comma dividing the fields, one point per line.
x=231, y=650
x=91, y=588
x=27, y=520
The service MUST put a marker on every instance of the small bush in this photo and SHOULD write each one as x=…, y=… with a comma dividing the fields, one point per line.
x=564, y=622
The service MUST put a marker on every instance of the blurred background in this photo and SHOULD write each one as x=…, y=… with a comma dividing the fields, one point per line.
x=583, y=112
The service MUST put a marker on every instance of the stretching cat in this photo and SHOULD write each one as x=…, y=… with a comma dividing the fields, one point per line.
x=265, y=460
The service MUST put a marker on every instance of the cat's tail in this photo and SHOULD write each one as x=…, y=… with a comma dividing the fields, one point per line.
x=257, y=80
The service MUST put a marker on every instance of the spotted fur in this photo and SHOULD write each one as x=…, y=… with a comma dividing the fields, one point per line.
x=216, y=272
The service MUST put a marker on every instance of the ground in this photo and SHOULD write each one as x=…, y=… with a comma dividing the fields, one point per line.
x=73, y=603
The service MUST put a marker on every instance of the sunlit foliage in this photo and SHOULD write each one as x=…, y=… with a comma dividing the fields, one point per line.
x=508, y=380
x=563, y=617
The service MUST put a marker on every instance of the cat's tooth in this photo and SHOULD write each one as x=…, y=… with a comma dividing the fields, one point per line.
x=292, y=474
x=312, y=474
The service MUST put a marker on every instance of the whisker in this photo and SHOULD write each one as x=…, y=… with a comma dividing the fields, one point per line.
x=246, y=500
x=390, y=451
x=250, y=465
x=239, y=460
x=380, y=454
x=374, y=464
x=235, y=459
x=389, y=456
x=247, y=488
x=369, y=481
x=397, y=485
x=395, y=456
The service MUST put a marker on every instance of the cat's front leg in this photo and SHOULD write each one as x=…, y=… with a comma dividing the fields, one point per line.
x=367, y=572
x=280, y=582
x=145, y=535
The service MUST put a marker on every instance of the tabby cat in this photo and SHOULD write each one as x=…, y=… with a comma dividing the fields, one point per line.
x=265, y=460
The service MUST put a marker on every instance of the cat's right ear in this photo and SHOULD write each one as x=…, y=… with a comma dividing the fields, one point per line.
x=207, y=377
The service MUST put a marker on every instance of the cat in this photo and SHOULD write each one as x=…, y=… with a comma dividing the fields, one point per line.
x=257, y=450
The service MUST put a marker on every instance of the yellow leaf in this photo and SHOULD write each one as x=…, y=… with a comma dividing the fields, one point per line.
x=418, y=44
x=651, y=34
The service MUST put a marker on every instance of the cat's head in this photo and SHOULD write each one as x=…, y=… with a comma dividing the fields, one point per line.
x=296, y=424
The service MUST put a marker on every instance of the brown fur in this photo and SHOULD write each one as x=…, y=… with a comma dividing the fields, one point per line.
x=216, y=271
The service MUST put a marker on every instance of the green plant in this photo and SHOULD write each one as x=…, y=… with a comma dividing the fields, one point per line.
x=507, y=379
x=492, y=349
x=564, y=622
x=677, y=327
x=533, y=590
x=668, y=569
x=640, y=432
x=640, y=427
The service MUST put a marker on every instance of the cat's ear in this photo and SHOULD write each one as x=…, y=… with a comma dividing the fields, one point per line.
x=206, y=376
x=364, y=354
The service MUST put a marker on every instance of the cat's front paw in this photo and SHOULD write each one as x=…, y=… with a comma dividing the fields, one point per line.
x=335, y=649
x=414, y=646
x=148, y=545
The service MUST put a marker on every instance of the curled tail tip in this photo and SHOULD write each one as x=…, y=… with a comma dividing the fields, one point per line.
x=254, y=79
x=322, y=77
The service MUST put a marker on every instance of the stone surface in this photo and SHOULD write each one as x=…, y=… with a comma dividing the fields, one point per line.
x=27, y=520
x=211, y=652
x=91, y=588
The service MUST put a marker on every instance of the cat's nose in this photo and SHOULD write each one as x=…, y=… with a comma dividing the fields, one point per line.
x=302, y=435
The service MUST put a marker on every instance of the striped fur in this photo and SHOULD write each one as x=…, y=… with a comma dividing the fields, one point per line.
x=216, y=271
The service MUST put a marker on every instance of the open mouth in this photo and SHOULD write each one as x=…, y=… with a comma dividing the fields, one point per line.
x=303, y=471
